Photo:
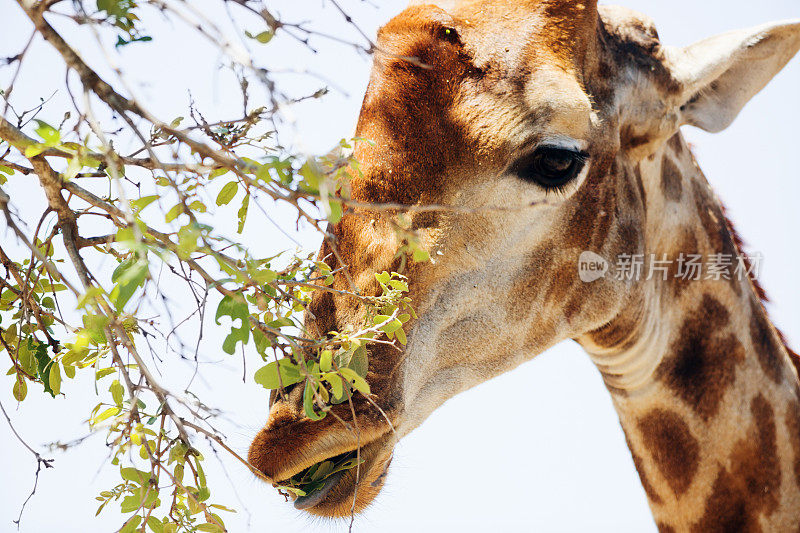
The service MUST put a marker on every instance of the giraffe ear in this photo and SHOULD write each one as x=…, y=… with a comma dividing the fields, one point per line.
x=718, y=76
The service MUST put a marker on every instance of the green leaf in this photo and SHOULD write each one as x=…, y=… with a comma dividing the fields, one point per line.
x=133, y=522
x=117, y=392
x=48, y=133
x=337, y=385
x=264, y=37
x=108, y=413
x=236, y=308
x=43, y=364
x=6, y=170
x=347, y=465
x=218, y=172
x=155, y=525
x=401, y=336
x=130, y=504
x=383, y=278
x=94, y=325
x=359, y=362
x=201, y=476
x=75, y=354
x=324, y=469
x=198, y=207
x=265, y=276
x=392, y=326
x=103, y=372
x=308, y=402
x=222, y=508
x=295, y=490
x=173, y=213
x=242, y=214
x=139, y=477
x=20, y=389
x=26, y=358
x=55, y=378
x=143, y=202
x=325, y=360
x=261, y=341
x=358, y=382
x=334, y=211
x=128, y=276
x=187, y=240
x=399, y=285
x=267, y=376
x=227, y=193
x=210, y=528
x=281, y=322
x=177, y=453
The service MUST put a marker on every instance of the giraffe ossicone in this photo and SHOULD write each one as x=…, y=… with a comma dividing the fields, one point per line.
x=552, y=129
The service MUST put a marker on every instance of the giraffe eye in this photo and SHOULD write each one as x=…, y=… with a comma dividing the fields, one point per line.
x=449, y=34
x=550, y=167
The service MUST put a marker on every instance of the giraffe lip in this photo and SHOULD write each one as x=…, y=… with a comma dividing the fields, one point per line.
x=335, y=496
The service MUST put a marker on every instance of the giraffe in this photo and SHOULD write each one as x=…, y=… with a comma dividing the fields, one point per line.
x=551, y=129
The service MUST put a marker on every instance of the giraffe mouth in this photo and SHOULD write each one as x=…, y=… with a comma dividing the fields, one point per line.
x=340, y=485
x=312, y=485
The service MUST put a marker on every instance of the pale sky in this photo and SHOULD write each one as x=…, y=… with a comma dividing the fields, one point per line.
x=539, y=448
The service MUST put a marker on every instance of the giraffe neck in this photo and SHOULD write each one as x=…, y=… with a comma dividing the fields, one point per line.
x=705, y=389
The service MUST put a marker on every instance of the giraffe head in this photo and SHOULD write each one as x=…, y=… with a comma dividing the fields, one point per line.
x=528, y=121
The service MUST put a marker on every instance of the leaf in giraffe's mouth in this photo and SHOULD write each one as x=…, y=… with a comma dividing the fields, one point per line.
x=313, y=484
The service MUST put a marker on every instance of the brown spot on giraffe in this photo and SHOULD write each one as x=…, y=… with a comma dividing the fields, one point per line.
x=713, y=220
x=637, y=175
x=793, y=428
x=671, y=180
x=648, y=487
x=627, y=185
x=703, y=364
x=630, y=238
x=676, y=143
x=748, y=488
x=674, y=449
x=574, y=306
x=561, y=284
x=687, y=247
x=630, y=139
x=590, y=219
x=765, y=344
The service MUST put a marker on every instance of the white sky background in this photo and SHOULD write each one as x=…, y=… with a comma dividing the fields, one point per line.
x=537, y=449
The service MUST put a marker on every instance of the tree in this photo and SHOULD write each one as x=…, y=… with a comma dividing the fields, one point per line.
x=133, y=227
